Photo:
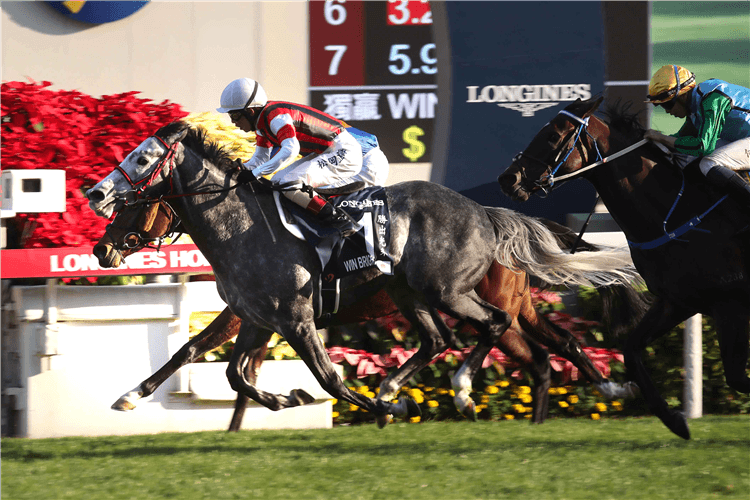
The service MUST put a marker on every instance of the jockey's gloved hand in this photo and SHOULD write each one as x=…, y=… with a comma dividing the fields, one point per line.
x=246, y=176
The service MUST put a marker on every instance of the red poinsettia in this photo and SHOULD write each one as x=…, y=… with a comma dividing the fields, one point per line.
x=83, y=135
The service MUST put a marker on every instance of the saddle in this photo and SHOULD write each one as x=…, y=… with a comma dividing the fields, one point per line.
x=339, y=257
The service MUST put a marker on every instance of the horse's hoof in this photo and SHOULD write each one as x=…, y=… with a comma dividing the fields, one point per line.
x=677, y=423
x=383, y=420
x=300, y=397
x=123, y=404
x=470, y=411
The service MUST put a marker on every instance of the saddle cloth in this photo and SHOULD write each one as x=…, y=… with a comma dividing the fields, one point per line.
x=340, y=257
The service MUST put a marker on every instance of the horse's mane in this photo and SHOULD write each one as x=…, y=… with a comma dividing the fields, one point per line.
x=619, y=116
x=197, y=140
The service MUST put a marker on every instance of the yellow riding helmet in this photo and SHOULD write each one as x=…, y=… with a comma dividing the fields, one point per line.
x=669, y=82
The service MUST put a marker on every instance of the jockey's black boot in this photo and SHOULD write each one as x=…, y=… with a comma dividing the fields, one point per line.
x=730, y=181
x=330, y=216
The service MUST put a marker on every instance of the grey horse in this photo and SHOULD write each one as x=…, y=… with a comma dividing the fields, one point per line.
x=441, y=243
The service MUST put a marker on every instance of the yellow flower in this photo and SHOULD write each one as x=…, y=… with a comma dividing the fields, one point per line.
x=527, y=417
x=417, y=395
x=485, y=399
x=527, y=409
x=617, y=405
x=562, y=404
x=491, y=389
x=481, y=407
x=370, y=394
x=442, y=391
x=524, y=389
x=595, y=416
x=552, y=391
x=526, y=398
x=428, y=389
x=353, y=407
x=432, y=403
x=415, y=420
x=508, y=417
x=562, y=390
x=362, y=389
x=334, y=401
x=335, y=414
x=502, y=383
x=572, y=399
x=519, y=408
x=601, y=406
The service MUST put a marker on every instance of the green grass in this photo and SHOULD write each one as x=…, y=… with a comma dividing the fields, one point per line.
x=562, y=459
x=712, y=39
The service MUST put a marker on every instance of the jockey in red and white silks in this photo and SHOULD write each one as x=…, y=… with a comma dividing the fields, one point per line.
x=334, y=154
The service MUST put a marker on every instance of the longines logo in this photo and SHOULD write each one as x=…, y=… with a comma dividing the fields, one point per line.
x=527, y=99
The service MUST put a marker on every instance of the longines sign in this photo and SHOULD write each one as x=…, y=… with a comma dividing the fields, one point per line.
x=79, y=261
x=527, y=98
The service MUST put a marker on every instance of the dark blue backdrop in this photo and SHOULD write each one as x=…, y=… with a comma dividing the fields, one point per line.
x=505, y=69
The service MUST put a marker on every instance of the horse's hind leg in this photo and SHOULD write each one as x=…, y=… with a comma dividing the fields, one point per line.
x=255, y=359
x=524, y=351
x=732, y=324
x=222, y=328
x=658, y=321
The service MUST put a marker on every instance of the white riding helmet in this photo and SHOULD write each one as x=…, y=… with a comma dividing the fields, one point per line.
x=240, y=94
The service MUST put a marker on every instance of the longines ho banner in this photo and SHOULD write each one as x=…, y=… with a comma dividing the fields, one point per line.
x=505, y=69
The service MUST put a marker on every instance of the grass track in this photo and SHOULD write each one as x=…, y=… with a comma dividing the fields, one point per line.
x=562, y=459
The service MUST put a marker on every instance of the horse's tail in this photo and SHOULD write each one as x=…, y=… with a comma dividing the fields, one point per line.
x=526, y=243
x=623, y=304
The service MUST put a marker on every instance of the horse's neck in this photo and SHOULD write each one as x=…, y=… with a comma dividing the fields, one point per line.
x=215, y=217
x=635, y=188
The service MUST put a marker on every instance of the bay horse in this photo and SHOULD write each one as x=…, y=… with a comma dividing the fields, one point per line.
x=441, y=244
x=688, y=241
x=139, y=226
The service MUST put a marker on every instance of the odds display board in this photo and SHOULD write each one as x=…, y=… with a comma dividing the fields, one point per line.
x=506, y=69
x=374, y=65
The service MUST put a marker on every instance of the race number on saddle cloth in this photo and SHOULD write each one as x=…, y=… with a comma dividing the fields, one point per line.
x=339, y=257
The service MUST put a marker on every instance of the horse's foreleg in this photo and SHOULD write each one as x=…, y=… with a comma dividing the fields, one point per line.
x=222, y=328
x=252, y=367
x=732, y=324
x=658, y=321
x=305, y=341
x=249, y=340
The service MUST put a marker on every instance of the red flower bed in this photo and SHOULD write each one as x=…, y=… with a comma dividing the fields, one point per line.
x=83, y=135
x=367, y=363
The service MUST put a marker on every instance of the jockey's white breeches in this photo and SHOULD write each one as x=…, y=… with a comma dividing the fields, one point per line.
x=337, y=166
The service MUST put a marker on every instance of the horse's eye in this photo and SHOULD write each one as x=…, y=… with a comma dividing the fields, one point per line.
x=143, y=161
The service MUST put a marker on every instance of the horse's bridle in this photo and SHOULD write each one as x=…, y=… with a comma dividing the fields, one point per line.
x=547, y=181
x=166, y=159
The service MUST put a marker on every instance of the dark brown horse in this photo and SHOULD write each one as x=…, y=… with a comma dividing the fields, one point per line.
x=688, y=242
x=139, y=226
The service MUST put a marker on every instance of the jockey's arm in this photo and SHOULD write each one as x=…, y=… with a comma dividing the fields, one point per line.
x=283, y=128
x=715, y=108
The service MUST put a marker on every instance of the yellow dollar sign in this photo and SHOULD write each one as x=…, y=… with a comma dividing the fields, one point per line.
x=416, y=147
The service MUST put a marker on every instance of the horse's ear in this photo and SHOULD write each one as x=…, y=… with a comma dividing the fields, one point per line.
x=592, y=105
x=181, y=135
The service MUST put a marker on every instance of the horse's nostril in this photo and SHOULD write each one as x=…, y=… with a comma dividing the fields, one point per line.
x=95, y=196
